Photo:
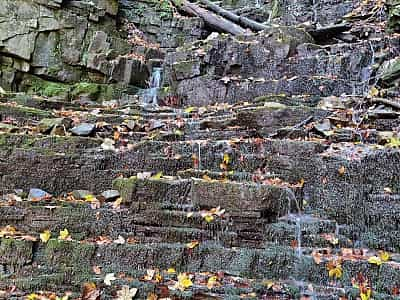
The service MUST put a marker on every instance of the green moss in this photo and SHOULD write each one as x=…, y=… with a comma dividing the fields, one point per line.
x=91, y=89
x=24, y=112
x=46, y=88
x=126, y=187
x=69, y=253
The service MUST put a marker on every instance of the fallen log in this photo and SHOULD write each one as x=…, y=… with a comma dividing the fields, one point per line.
x=243, y=21
x=226, y=21
x=324, y=33
x=211, y=19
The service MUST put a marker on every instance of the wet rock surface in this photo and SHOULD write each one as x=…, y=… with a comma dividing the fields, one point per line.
x=268, y=170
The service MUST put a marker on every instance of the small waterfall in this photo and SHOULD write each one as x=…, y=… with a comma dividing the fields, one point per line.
x=149, y=96
x=366, y=72
x=298, y=237
x=297, y=218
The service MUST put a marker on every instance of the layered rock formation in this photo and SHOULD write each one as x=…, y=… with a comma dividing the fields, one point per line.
x=269, y=170
x=48, y=46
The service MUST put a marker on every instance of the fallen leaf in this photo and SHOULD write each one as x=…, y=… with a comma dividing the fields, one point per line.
x=117, y=203
x=184, y=282
x=64, y=234
x=171, y=271
x=212, y=281
x=342, y=170
x=126, y=293
x=365, y=294
x=375, y=260
x=189, y=109
x=120, y=240
x=192, y=244
x=45, y=236
x=149, y=274
x=157, y=176
x=32, y=296
x=373, y=92
x=152, y=296
x=208, y=218
x=384, y=256
x=108, y=278
x=90, y=292
x=336, y=272
x=90, y=198
x=334, y=269
x=226, y=160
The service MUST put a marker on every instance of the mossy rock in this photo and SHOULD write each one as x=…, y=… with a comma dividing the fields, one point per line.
x=126, y=187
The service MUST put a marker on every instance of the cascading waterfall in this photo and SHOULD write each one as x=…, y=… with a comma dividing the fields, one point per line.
x=150, y=95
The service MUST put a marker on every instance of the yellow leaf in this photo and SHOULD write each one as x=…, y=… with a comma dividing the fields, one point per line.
x=157, y=176
x=212, y=281
x=394, y=142
x=32, y=297
x=375, y=260
x=90, y=198
x=192, y=244
x=189, y=109
x=117, y=203
x=226, y=159
x=384, y=256
x=171, y=271
x=64, y=234
x=366, y=295
x=336, y=272
x=208, y=218
x=269, y=284
x=45, y=236
x=374, y=92
x=158, y=277
x=184, y=281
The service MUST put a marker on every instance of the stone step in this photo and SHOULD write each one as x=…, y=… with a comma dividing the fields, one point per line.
x=206, y=90
x=275, y=263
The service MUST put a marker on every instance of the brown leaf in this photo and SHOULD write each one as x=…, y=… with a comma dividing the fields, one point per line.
x=90, y=292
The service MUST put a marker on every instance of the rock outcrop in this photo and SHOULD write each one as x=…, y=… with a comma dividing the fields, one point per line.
x=47, y=46
x=268, y=170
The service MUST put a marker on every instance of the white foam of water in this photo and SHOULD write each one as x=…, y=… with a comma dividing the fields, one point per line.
x=150, y=95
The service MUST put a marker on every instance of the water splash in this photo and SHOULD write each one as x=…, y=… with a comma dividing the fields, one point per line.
x=366, y=72
x=149, y=96
x=298, y=237
x=297, y=218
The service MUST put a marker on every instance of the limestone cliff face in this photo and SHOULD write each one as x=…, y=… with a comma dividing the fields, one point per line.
x=66, y=42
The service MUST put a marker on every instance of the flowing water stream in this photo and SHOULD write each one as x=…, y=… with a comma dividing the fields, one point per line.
x=149, y=95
